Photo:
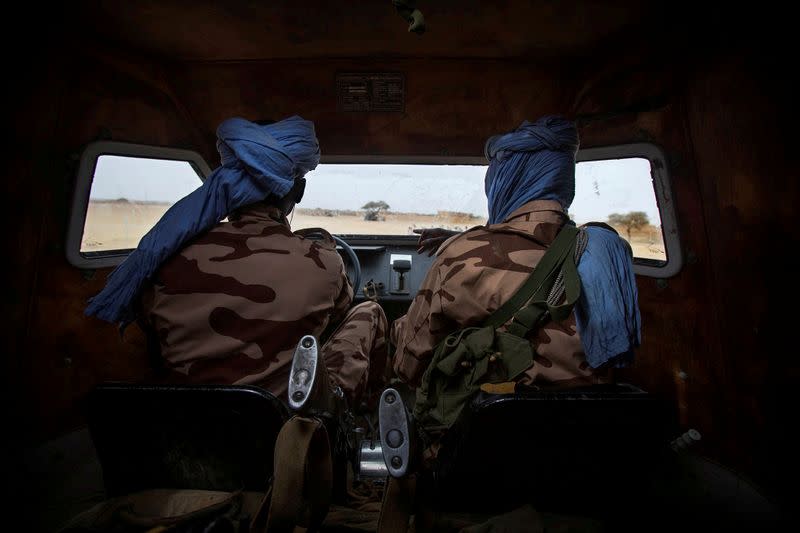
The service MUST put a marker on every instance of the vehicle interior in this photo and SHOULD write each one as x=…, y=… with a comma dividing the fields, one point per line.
x=684, y=119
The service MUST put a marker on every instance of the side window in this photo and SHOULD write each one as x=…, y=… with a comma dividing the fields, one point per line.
x=627, y=187
x=122, y=190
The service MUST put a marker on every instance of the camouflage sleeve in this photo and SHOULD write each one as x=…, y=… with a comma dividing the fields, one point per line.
x=342, y=303
x=344, y=298
x=416, y=334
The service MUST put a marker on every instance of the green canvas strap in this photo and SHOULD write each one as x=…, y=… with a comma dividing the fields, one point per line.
x=461, y=361
x=540, y=310
x=536, y=288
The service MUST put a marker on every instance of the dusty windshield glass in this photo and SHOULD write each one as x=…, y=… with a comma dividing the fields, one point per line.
x=367, y=199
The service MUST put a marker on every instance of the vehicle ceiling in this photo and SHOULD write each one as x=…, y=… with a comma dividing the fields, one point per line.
x=242, y=30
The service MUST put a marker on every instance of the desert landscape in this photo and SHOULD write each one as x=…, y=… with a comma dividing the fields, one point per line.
x=119, y=224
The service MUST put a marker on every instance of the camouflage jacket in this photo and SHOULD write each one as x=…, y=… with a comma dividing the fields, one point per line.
x=232, y=305
x=477, y=271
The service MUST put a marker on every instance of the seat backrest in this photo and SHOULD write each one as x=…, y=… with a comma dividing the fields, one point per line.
x=211, y=437
x=550, y=448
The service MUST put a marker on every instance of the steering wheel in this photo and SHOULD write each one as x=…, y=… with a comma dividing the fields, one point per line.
x=355, y=264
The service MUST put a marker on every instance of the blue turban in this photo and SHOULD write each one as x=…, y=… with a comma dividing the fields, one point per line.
x=257, y=161
x=534, y=162
x=537, y=162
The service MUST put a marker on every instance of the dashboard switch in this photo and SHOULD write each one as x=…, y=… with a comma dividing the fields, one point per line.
x=401, y=264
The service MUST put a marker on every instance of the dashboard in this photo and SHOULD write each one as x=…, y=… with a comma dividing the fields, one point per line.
x=391, y=268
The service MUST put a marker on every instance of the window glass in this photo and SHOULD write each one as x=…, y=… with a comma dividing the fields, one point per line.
x=123, y=190
x=620, y=192
x=129, y=195
x=389, y=199
x=392, y=199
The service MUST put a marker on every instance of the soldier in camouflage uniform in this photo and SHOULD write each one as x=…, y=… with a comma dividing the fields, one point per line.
x=476, y=272
x=529, y=185
x=227, y=302
x=231, y=307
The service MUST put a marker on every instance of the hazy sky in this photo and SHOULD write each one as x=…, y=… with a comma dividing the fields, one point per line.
x=601, y=187
x=613, y=186
x=145, y=180
x=406, y=188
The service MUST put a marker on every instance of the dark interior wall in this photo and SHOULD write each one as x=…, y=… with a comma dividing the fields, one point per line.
x=56, y=353
x=451, y=106
x=36, y=115
x=715, y=336
x=679, y=359
x=739, y=124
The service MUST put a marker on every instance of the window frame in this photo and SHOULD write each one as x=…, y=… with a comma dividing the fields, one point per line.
x=83, y=189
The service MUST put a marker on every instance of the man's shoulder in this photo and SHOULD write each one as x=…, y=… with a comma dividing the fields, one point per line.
x=505, y=236
x=455, y=244
x=228, y=243
x=292, y=240
x=322, y=238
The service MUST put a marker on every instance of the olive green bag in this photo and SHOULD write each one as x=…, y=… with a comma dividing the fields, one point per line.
x=472, y=356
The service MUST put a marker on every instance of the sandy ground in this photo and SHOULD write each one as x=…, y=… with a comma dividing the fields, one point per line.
x=394, y=223
x=119, y=225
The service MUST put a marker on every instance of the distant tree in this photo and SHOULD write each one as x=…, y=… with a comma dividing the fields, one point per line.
x=373, y=209
x=630, y=221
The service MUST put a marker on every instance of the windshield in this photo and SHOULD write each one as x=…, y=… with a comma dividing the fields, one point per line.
x=378, y=199
x=395, y=199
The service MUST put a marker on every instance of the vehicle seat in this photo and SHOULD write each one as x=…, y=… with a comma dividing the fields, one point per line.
x=205, y=437
x=556, y=448
x=573, y=451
